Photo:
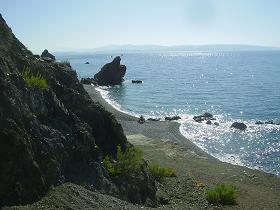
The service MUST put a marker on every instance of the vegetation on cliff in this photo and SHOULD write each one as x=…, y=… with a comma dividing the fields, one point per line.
x=36, y=81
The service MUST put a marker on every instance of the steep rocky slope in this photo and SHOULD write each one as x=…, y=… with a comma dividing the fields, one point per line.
x=49, y=136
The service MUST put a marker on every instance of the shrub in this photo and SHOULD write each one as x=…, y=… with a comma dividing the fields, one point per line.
x=36, y=81
x=159, y=173
x=222, y=194
x=131, y=160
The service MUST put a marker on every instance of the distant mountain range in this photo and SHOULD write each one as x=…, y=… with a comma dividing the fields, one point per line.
x=155, y=48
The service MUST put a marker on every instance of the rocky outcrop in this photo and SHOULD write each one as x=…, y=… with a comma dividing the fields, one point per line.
x=47, y=56
x=239, y=125
x=111, y=73
x=50, y=136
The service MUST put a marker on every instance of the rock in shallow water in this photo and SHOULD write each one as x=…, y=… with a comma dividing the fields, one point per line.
x=205, y=116
x=153, y=119
x=259, y=123
x=173, y=118
x=137, y=81
x=239, y=125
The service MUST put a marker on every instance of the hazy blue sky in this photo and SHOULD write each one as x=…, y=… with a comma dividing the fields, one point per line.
x=71, y=24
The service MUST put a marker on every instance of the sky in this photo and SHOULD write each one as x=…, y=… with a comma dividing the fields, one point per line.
x=66, y=25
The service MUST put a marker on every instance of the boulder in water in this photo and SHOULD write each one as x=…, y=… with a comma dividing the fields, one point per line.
x=173, y=118
x=259, y=122
x=137, y=81
x=270, y=122
x=205, y=116
x=153, y=119
x=239, y=125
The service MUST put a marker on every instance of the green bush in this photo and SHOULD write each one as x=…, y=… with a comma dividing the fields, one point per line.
x=131, y=160
x=36, y=81
x=159, y=173
x=222, y=194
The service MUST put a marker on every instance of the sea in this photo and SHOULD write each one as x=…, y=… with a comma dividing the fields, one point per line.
x=241, y=86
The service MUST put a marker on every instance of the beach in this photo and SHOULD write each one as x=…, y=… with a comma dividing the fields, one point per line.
x=163, y=143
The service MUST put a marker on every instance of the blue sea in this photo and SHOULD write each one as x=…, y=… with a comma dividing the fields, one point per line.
x=234, y=86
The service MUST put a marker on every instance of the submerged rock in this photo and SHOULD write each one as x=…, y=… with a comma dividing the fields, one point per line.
x=47, y=56
x=239, y=125
x=111, y=73
x=216, y=123
x=208, y=122
x=172, y=118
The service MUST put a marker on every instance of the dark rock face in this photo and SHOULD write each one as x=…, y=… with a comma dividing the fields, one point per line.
x=142, y=192
x=111, y=73
x=238, y=125
x=49, y=136
x=47, y=56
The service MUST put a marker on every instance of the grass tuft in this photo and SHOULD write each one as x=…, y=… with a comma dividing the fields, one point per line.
x=131, y=160
x=35, y=81
x=159, y=173
x=222, y=194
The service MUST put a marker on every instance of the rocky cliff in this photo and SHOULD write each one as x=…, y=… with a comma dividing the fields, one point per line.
x=52, y=135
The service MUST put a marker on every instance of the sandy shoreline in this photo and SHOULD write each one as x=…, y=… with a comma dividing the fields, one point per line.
x=162, y=142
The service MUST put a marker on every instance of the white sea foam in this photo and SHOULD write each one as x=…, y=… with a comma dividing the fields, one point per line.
x=231, y=145
x=104, y=92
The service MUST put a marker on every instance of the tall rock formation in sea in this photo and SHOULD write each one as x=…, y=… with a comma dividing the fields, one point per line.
x=48, y=136
x=111, y=73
